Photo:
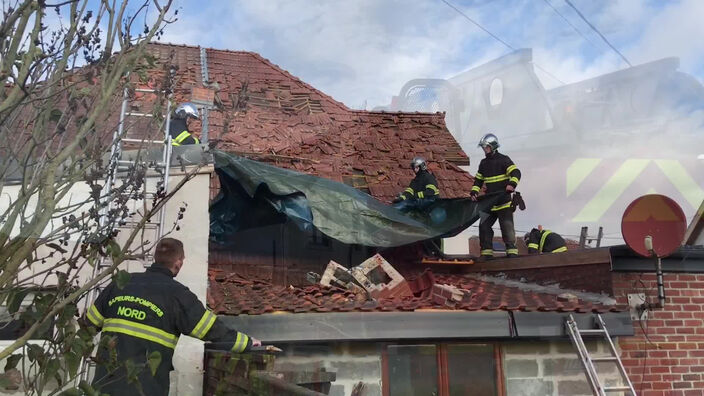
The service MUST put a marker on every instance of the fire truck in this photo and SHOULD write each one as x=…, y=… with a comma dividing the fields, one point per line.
x=586, y=149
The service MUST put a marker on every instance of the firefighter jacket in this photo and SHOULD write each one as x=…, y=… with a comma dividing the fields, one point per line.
x=496, y=171
x=424, y=185
x=179, y=133
x=545, y=241
x=148, y=315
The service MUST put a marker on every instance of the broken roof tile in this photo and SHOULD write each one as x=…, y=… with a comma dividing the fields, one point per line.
x=263, y=109
x=229, y=295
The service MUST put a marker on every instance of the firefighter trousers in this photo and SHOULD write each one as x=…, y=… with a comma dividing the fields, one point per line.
x=508, y=233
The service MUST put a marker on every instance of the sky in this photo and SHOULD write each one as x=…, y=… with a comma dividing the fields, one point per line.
x=362, y=52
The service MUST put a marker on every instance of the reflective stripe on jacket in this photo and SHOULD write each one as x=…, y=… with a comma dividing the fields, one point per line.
x=496, y=171
x=148, y=315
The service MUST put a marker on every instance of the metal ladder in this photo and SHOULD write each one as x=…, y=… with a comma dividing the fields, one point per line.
x=116, y=166
x=588, y=362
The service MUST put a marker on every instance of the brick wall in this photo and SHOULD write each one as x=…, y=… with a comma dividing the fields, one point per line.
x=670, y=360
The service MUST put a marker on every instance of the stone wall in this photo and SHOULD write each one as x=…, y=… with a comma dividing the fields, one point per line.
x=543, y=368
x=353, y=362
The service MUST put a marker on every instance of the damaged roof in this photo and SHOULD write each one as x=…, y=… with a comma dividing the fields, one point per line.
x=264, y=112
x=232, y=294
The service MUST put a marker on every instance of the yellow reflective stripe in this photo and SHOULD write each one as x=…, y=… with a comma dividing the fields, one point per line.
x=578, y=171
x=511, y=169
x=560, y=249
x=409, y=190
x=514, y=180
x=196, y=139
x=476, y=188
x=421, y=194
x=511, y=251
x=532, y=245
x=543, y=238
x=432, y=187
x=500, y=207
x=204, y=324
x=487, y=252
x=240, y=343
x=611, y=190
x=142, y=331
x=495, y=179
x=181, y=137
x=94, y=316
x=682, y=180
x=479, y=176
x=403, y=197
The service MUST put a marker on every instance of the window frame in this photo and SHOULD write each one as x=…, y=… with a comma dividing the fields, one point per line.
x=443, y=372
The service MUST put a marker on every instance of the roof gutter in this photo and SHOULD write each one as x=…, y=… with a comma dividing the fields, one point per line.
x=687, y=259
x=427, y=325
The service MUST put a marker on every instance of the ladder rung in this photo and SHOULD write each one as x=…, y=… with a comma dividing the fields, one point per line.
x=150, y=164
x=605, y=359
x=591, y=332
x=130, y=140
x=132, y=224
x=616, y=388
x=145, y=90
x=133, y=114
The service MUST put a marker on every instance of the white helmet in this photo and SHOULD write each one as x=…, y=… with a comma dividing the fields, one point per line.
x=185, y=110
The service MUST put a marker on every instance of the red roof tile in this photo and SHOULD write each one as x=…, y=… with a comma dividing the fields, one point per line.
x=262, y=109
x=234, y=295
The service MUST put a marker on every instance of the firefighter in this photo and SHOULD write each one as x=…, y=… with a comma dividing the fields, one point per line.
x=178, y=127
x=544, y=241
x=422, y=191
x=501, y=176
x=147, y=315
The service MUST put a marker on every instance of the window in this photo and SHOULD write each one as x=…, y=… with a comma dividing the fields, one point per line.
x=441, y=370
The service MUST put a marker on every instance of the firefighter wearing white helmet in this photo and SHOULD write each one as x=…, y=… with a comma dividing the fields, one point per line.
x=178, y=127
x=500, y=176
x=422, y=191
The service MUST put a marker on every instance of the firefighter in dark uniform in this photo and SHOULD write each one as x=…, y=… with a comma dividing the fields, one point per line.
x=148, y=315
x=178, y=125
x=544, y=241
x=422, y=191
x=501, y=176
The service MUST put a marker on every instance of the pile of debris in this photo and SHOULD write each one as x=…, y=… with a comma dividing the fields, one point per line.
x=378, y=279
